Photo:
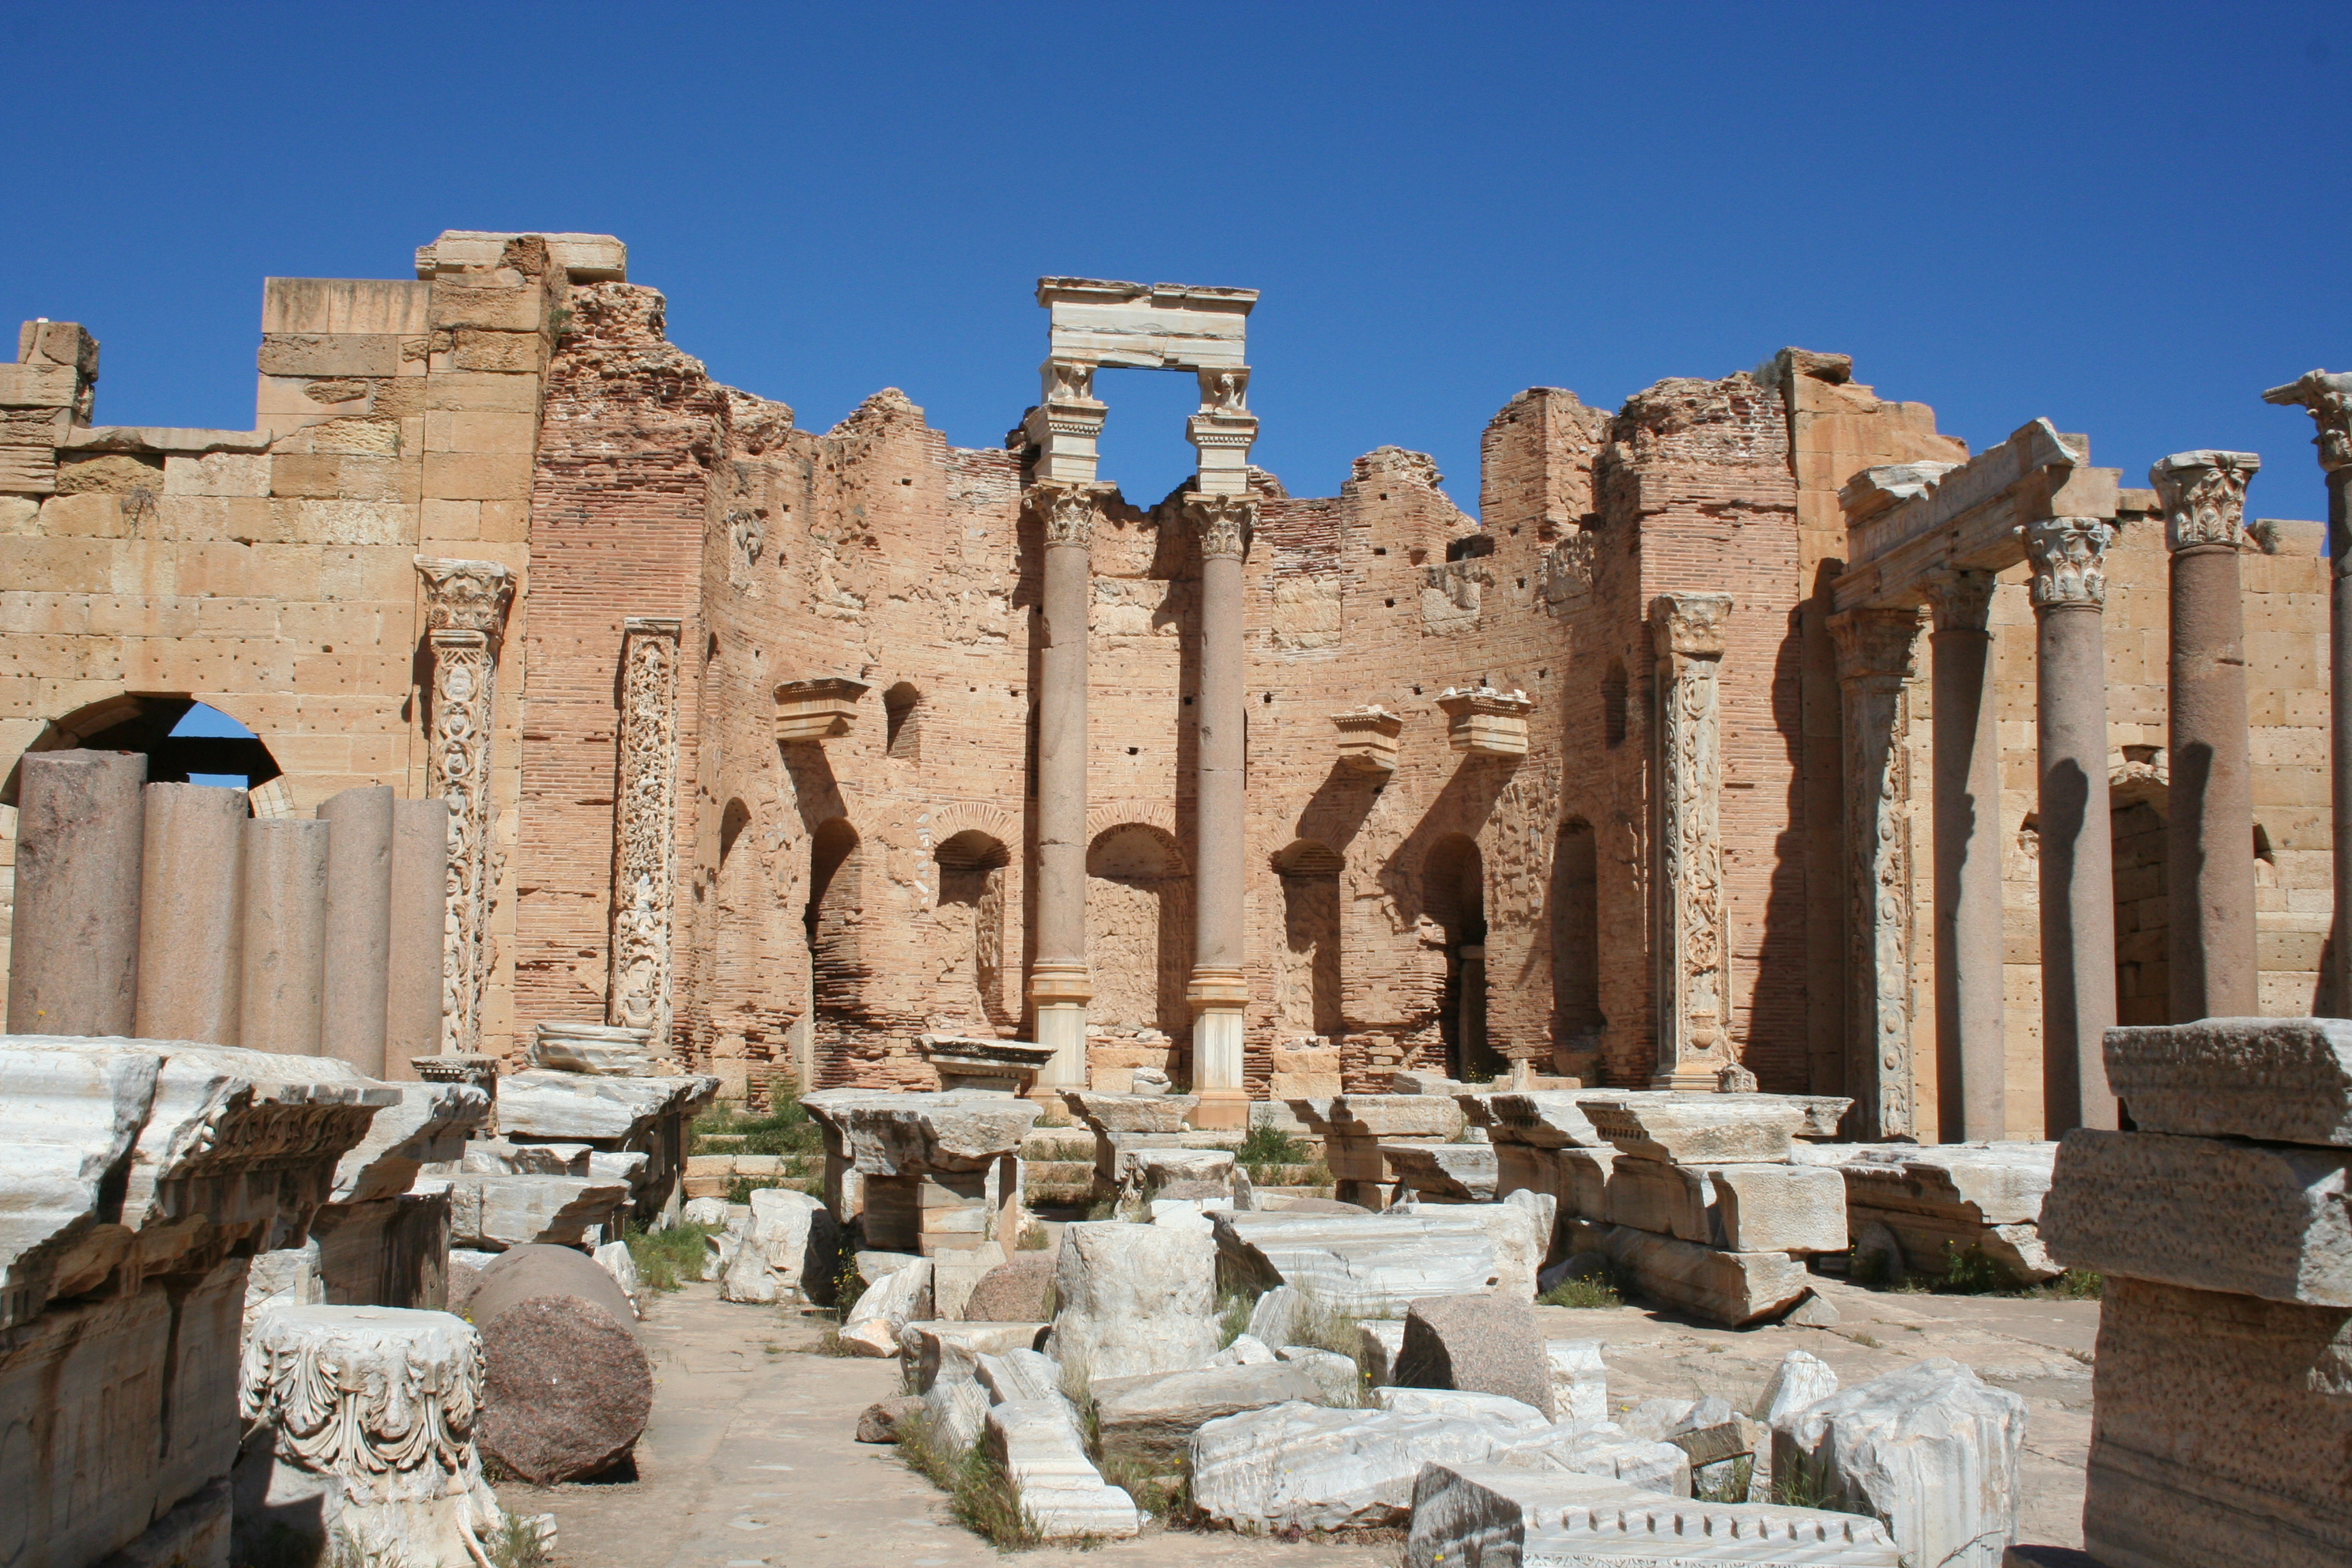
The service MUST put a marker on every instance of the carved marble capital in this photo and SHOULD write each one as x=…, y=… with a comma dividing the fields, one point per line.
x=1962, y=600
x=2068, y=557
x=1225, y=390
x=2203, y=495
x=1875, y=645
x=1068, y=510
x=1690, y=623
x=1066, y=381
x=1224, y=522
x=466, y=595
x=2328, y=400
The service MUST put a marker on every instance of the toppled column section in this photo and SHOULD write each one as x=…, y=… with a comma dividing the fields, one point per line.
x=2221, y=1227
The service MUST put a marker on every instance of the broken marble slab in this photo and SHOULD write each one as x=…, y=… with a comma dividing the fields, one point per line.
x=1698, y=1130
x=1060, y=1489
x=1301, y=1467
x=1444, y=1172
x=1938, y=1200
x=1134, y=1299
x=428, y=1124
x=2280, y=1080
x=1580, y=1379
x=2206, y=1214
x=494, y=1212
x=884, y=1134
x=543, y=1106
x=1604, y=1449
x=1149, y=1420
x=1733, y=1289
x=1111, y=1115
x=940, y=1351
x=872, y=1325
x=1377, y=1264
x=789, y=1252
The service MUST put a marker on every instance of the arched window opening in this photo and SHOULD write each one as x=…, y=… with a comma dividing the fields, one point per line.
x=1306, y=965
x=1453, y=893
x=1138, y=931
x=185, y=740
x=1612, y=704
x=1576, y=1020
x=902, y=722
x=973, y=867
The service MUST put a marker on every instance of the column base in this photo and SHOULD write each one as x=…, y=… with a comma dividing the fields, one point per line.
x=1061, y=1026
x=1221, y=1109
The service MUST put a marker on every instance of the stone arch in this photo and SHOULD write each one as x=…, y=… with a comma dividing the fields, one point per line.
x=1307, y=998
x=134, y=722
x=1158, y=815
x=1138, y=928
x=973, y=866
x=1576, y=1019
x=902, y=722
x=1453, y=894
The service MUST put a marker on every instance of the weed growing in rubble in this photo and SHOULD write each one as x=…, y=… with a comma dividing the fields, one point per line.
x=518, y=1545
x=666, y=1260
x=981, y=1496
x=1233, y=1307
x=1166, y=1497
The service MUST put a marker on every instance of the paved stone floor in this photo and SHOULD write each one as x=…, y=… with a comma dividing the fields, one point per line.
x=748, y=1461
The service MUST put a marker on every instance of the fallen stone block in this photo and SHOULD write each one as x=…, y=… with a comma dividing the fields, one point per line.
x=1477, y=1345
x=1732, y=1288
x=567, y=1388
x=954, y=1413
x=940, y=1351
x=288, y=1276
x=1018, y=1374
x=789, y=1252
x=1336, y=1375
x=1150, y=1420
x=494, y=1212
x=1134, y=1299
x=1059, y=1488
x=1118, y=1113
x=1014, y=1291
x=885, y=1420
x=1580, y=1379
x=1663, y=1199
x=1297, y=1467
x=429, y=1125
x=704, y=1211
x=955, y=1275
x=2206, y=1214
x=1698, y=1130
x=1584, y=1178
x=1929, y=1448
x=1776, y=1208
x=1940, y=1200
x=1604, y=1449
x=874, y=1321
x=1473, y=1515
x=1276, y=1315
x=614, y=1258
x=1247, y=1350
x=1514, y=1415
x=1374, y=1265
x=1800, y=1381
x=2278, y=1081
x=1149, y=1172
x=1447, y=1173
x=543, y=1106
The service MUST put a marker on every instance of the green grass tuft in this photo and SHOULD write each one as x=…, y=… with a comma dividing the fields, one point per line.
x=1582, y=1293
x=666, y=1260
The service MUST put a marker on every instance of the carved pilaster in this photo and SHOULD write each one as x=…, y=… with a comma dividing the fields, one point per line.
x=1692, y=953
x=2069, y=558
x=2203, y=495
x=465, y=607
x=1874, y=654
x=1224, y=522
x=645, y=815
x=1068, y=510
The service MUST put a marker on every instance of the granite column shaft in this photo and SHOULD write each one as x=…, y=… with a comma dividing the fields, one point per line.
x=1060, y=987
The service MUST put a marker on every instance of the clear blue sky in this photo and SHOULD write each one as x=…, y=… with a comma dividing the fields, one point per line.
x=2130, y=218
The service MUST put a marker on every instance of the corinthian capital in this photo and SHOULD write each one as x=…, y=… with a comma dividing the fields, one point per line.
x=2204, y=497
x=466, y=595
x=1689, y=624
x=1875, y=643
x=1961, y=600
x=1224, y=522
x=2068, y=557
x=2328, y=399
x=1068, y=510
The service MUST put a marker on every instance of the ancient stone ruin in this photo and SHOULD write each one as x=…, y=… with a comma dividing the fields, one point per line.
x=1248, y=986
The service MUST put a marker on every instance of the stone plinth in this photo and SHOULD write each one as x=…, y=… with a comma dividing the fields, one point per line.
x=600, y=1048
x=822, y=709
x=1368, y=739
x=370, y=1416
x=1483, y=722
x=613, y=1115
x=930, y=1172
x=984, y=1066
x=1355, y=1127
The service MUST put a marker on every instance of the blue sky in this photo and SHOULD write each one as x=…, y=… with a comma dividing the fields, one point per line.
x=2129, y=219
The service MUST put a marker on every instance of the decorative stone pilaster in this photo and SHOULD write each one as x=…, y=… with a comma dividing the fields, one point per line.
x=2211, y=806
x=1874, y=661
x=645, y=818
x=2328, y=400
x=1218, y=991
x=1691, y=952
x=1059, y=984
x=370, y=1413
x=465, y=607
x=2076, y=859
x=1971, y=1063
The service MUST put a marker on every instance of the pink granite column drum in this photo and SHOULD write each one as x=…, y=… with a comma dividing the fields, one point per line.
x=1059, y=988
x=282, y=952
x=358, y=926
x=2068, y=555
x=1971, y=1057
x=2211, y=861
x=1217, y=990
x=73, y=966
x=190, y=928
x=419, y=905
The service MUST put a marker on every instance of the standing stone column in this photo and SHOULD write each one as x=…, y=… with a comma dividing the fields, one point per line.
x=420, y=881
x=2068, y=555
x=464, y=616
x=189, y=925
x=73, y=956
x=1691, y=951
x=2210, y=867
x=2328, y=399
x=1971, y=1056
x=284, y=948
x=1875, y=660
x=645, y=818
x=1059, y=984
x=356, y=1011
x=1218, y=991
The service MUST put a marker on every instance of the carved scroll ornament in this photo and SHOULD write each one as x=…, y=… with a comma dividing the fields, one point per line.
x=1874, y=659
x=2328, y=400
x=1694, y=981
x=465, y=607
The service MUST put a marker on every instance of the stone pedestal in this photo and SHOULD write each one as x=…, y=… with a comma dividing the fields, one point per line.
x=73, y=956
x=934, y=1172
x=987, y=1065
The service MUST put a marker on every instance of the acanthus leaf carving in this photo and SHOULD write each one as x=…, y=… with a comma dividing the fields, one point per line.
x=2203, y=494
x=1067, y=510
x=1224, y=522
x=2068, y=557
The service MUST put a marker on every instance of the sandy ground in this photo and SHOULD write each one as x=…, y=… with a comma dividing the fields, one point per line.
x=748, y=1461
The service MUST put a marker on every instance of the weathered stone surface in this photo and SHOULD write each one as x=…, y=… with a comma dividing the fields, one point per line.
x=1299, y=1467
x=940, y=1350
x=885, y=1420
x=1275, y=1316
x=542, y=1105
x=591, y=1048
x=1516, y=1416
x=1929, y=1448
x=2250, y=1219
x=1375, y=1265
x=1247, y=1350
x=1776, y=1208
x=1058, y=1486
x=370, y=1416
x=2282, y=1080
x=1018, y=1374
x=428, y=1124
x=1117, y=1113
x=1604, y=1449
x=1728, y=1288
x=895, y=1134
x=1940, y=1200
x=1470, y=1515
x=872, y=1325
x=1150, y=1419
x=1663, y=1199
x=1580, y=1379
x=1383, y=1116
x=1801, y=1380
x=1477, y=1345
x=1151, y=1171
x=1456, y=1172
x=1552, y=1118
x=955, y=1410
x=956, y=1274
x=1698, y=1130
x=614, y=1258
x=704, y=1211
x=789, y=1253
x=288, y=1277
x=1584, y=1178
x=494, y=1213
x=73, y=966
x=2211, y=1416
x=1014, y=1291
x=1336, y=1375
x=567, y=1388
x=1134, y=1299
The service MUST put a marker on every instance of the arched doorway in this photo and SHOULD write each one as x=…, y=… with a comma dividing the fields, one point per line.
x=186, y=742
x=972, y=910
x=1307, y=965
x=1453, y=894
x=1576, y=1018
x=1138, y=931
